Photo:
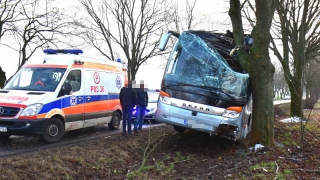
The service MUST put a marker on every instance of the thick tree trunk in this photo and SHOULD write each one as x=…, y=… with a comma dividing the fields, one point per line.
x=260, y=68
x=261, y=73
x=296, y=97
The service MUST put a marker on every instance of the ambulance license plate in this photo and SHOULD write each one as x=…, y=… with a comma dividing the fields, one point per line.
x=3, y=129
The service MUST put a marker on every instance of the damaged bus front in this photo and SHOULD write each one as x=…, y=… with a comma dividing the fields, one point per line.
x=204, y=87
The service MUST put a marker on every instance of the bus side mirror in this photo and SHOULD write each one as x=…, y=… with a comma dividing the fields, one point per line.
x=164, y=40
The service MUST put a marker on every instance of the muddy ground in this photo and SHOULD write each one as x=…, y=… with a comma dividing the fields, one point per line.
x=161, y=153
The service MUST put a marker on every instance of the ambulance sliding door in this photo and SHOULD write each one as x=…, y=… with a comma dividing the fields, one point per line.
x=115, y=83
x=96, y=97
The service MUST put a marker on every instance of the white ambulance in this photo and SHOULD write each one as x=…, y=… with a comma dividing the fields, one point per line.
x=61, y=92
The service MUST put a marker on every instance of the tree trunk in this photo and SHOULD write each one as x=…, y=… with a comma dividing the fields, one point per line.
x=133, y=75
x=261, y=75
x=307, y=91
x=296, y=97
x=260, y=68
x=2, y=78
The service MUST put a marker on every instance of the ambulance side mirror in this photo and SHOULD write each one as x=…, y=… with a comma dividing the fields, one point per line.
x=62, y=92
x=65, y=89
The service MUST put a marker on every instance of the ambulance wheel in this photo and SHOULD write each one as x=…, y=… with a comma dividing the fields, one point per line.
x=179, y=129
x=54, y=131
x=115, y=121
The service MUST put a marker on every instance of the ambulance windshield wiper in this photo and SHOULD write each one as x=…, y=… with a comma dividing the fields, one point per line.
x=30, y=88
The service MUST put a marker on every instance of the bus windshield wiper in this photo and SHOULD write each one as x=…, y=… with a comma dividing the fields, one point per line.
x=204, y=87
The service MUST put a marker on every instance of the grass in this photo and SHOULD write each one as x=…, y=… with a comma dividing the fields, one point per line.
x=192, y=155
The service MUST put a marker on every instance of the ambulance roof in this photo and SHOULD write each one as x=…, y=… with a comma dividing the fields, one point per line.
x=68, y=58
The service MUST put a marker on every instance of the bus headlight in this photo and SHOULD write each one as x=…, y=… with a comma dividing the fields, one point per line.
x=165, y=99
x=232, y=112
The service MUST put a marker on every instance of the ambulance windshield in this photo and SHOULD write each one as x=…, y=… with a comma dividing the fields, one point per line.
x=36, y=79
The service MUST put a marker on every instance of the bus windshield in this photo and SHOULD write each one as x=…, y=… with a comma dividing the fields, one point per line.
x=196, y=62
x=36, y=79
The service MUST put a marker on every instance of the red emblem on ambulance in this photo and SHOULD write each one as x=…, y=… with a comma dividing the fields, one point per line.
x=96, y=77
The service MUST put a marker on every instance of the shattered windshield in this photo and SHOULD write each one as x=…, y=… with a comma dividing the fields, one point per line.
x=196, y=62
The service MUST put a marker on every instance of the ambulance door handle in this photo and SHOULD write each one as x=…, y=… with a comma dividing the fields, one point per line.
x=88, y=97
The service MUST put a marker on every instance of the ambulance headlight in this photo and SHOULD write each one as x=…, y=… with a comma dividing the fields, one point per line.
x=31, y=110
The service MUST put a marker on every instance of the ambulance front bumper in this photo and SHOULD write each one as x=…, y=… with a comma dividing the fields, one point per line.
x=22, y=127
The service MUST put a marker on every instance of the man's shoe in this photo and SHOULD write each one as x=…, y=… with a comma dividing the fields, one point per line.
x=140, y=130
x=130, y=133
x=124, y=133
x=135, y=131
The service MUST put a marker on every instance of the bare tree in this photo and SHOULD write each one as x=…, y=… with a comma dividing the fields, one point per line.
x=259, y=66
x=128, y=27
x=280, y=84
x=39, y=25
x=297, y=26
x=8, y=15
x=185, y=16
x=311, y=76
x=7, y=18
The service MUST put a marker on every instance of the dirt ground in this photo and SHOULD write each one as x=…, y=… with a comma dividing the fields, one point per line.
x=161, y=153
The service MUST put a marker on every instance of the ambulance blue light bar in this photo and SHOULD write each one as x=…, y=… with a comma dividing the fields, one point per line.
x=62, y=51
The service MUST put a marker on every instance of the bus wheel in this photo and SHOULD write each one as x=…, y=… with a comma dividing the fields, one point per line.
x=179, y=129
x=54, y=131
x=115, y=121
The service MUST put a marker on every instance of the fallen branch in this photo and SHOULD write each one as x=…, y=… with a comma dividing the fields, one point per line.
x=235, y=167
x=307, y=170
x=180, y=161
x=277, y=171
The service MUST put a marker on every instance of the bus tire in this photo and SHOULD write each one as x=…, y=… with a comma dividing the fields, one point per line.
x=2, y=136
x=53, y=131
x=115, y=121
x=179, y=129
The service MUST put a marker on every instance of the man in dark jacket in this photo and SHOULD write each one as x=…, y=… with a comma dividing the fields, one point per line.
x=127, y=101
x=141, y=103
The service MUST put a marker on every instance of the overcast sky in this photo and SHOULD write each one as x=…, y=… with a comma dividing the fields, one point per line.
x=153, y=70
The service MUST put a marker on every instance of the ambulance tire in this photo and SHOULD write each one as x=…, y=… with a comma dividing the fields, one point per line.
x=54, y=131
x=115, y=121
